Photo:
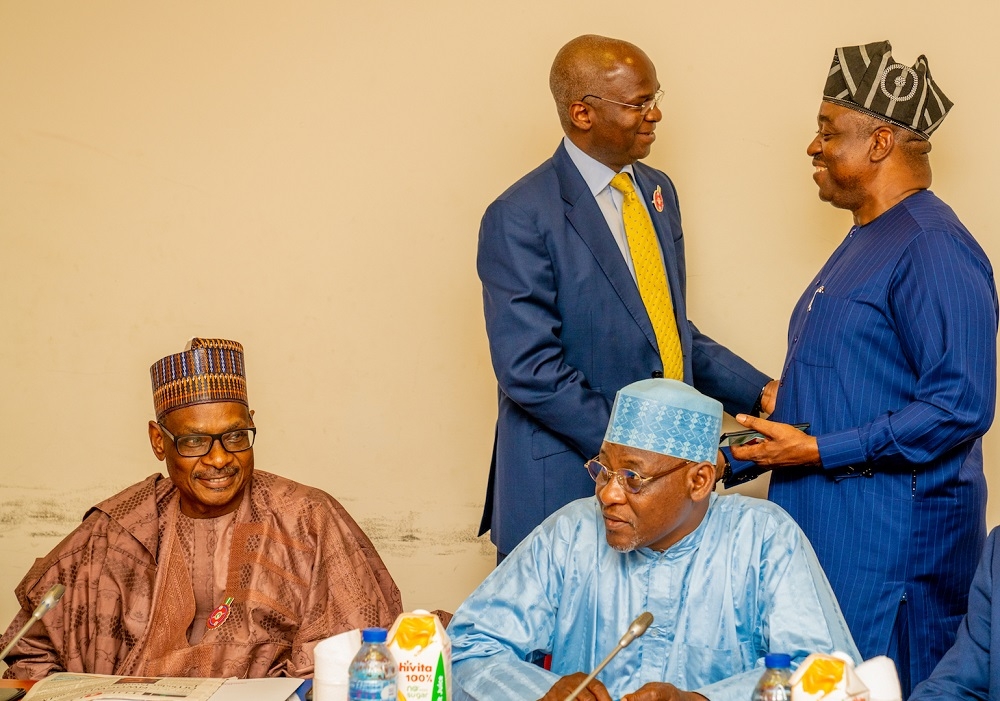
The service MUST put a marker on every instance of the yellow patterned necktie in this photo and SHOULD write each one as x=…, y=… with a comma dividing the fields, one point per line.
x=651, y=277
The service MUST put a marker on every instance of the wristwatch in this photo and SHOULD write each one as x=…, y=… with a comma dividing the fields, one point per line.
x=728, y=471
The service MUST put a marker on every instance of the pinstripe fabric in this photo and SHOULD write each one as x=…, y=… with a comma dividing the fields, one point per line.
x=892, y=360
x=971, y=669
x=568, y=329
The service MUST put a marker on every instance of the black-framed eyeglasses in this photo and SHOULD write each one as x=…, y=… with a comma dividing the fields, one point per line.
x=194, y=445
x=643, y=108
x=628, y=479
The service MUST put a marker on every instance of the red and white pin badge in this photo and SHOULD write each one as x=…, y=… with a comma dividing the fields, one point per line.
x=220, y=614
x=658, y=198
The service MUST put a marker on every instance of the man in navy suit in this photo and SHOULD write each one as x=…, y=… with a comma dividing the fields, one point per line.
x=971, y=668
x=566, y=323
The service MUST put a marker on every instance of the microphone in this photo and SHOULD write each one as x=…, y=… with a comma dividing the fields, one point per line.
x=48, y=601
x=637, y=628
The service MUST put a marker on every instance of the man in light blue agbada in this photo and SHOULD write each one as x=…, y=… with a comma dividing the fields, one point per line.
x=728, y=579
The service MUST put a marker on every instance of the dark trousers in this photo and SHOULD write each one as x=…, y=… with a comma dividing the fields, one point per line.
x=899, y=649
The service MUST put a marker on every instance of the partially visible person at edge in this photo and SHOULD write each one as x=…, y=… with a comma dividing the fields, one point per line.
x=970, y=670
x=219, y=571
x=892, y=361
x=728, y=579
x=583, y=271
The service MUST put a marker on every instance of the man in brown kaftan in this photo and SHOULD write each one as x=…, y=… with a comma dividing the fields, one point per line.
x=219, y=570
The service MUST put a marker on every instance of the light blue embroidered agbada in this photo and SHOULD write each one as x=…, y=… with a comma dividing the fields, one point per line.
x=746, y=582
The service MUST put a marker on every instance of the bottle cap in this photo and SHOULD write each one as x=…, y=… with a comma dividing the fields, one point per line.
x=378, y=635
x=777, y=660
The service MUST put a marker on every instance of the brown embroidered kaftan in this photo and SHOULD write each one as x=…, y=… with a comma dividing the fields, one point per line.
x=300, y=569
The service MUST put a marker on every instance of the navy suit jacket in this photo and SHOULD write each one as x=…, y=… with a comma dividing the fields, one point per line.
x=967, y=670
x=568, y=329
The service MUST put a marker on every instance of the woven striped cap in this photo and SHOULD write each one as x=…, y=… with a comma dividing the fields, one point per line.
x=867, y=78
x=207, y=370
x=668, y=417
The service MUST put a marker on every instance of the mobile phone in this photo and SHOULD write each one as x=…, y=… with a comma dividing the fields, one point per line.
x=750, y=437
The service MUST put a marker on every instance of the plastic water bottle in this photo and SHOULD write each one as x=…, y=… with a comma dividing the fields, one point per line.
x=773, y=684
x=372, y=674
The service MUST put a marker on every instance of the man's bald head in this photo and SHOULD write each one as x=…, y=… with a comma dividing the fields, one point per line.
x=586, y=65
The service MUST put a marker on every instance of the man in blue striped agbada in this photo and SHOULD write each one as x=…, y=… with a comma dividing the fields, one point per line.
x=892, y=360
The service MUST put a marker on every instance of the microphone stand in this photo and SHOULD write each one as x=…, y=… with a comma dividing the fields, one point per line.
x=48, y=601
x=637, y=628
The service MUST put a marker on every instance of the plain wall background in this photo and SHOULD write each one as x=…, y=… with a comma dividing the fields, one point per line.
x=308, y=178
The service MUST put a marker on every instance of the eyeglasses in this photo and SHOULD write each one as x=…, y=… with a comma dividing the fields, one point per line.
x=643, y=108
x=194, y=445
x=627, y=479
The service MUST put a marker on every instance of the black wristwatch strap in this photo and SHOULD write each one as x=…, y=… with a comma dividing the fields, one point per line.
x=727, y=473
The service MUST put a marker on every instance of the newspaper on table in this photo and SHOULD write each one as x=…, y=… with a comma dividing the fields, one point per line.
x=70, y=687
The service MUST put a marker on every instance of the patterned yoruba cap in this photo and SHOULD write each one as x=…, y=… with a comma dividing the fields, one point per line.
x=207, y=370
x=666, y=416
x=868, y=79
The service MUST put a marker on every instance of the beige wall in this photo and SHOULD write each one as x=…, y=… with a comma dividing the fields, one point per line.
x=308, y=178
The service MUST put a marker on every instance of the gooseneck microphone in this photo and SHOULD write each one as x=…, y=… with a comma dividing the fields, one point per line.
x=47, y=602
x=637, y=628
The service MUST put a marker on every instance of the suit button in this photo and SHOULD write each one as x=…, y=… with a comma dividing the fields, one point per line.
x=657, y=374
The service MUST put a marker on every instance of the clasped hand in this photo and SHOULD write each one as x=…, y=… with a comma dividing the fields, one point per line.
x=596, y=691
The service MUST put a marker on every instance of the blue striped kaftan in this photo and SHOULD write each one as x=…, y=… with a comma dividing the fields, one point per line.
x=892, y=360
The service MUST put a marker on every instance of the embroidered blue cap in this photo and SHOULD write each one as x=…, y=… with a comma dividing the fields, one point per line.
x=668, y=417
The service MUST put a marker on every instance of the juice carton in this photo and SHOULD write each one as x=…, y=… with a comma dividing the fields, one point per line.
x=423, y=655
x=827, y=677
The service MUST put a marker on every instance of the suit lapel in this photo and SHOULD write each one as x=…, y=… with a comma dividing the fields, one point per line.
x=588, y=221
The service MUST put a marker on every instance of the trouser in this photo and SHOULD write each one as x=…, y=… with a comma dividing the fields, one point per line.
x=899, y=648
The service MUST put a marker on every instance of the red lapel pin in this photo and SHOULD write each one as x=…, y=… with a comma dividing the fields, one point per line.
x=220, y=614
x=658, y=198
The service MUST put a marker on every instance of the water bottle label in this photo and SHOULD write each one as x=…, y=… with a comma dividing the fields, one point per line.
x=372, y=690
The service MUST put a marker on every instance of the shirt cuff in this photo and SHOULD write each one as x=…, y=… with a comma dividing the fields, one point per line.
x=841, y=449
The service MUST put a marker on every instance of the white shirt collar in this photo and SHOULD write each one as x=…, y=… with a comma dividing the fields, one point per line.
x=597, y=175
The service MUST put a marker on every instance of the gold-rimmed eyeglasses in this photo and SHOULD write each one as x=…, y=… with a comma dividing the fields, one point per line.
x=629, y=480
x=643, y=107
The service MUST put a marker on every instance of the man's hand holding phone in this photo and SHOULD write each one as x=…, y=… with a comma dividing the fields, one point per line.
x=751, y=437
x=771, y=444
